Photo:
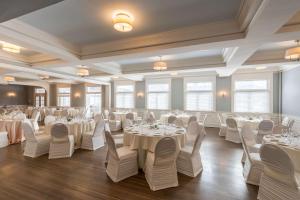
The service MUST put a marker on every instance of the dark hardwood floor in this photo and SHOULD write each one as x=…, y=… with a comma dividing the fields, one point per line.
x=83, y=176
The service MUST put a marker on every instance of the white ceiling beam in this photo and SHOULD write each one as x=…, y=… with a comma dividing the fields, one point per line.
x=263, y=24
x=23, y=67
x=27, y=36
x=109, y=67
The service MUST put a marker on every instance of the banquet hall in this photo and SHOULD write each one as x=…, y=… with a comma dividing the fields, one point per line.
x=142, y=100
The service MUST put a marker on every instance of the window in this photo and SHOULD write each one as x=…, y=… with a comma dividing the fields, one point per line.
x=40, y=94
x=93, y=99
x=124, y=95
x=63, y=96
x=200, y=94
x=158, y=94
x=252, y=95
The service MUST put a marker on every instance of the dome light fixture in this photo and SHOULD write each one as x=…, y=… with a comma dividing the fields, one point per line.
x=122, y=21
x=9, y=79
x=160, y=65
x=293, y=54
x=10, y=47
x=83, y=72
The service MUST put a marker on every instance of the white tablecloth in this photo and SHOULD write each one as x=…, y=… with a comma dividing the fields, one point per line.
x=14, y=130
x=253, y=123
x=184, y=117
x=292, y=149
x=75, y=128
x=145, y=139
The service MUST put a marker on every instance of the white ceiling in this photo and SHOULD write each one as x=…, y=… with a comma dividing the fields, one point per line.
x=89, y=21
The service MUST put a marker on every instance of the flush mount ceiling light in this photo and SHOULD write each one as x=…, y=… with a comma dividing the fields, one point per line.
x=9, y=79
x=44, y=77
x=160, y=65
x=83, y=72
x=293, y=53
x=10, y=47
x=122, y=21
x=260, y=67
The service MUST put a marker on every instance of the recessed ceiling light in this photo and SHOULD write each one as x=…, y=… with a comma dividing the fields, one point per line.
x=10, y=47
x=115, y=77
x=122, y=21
x=174, y=73
x=261, y=67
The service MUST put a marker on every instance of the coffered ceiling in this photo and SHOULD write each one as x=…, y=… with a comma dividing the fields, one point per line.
x=203, y=36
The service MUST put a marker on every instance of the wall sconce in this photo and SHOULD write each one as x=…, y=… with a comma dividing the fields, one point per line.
x=11, y=94
x=223, y=94
x=77, y=95
x=140, y=94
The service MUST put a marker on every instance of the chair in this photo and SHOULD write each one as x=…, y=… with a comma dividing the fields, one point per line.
x=127, y=123
x=34, y=119
x=179, y=123
x=49, y=119
x=150, y=117
x=202, y=118
x=192, y=119
x=2, y=111
x=223, y=126
x=114, y=123
x=283, y=127
x=122, y=162
x=192, y=133
x=94, y=140
x=4, y=139
x=129, y=116
x=98, y=117
x=279, y=180
x=253, y=166
x=232, y=132
x=62, y=144
x=265, y=127
x=64, y=113
x=36, y=145
x=171, y=119
x=160, y=167
x=290, y=125
x=189, y=159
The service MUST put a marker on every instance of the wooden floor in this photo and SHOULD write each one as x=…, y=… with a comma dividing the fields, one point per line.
x=83, y=176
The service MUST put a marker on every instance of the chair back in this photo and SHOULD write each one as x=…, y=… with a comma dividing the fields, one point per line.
x=127, y=123
x=192, y=119
x=291, y=124
x=64, y=113
x=171, y=119
x=193, y=131
x=129, y=116
x=112, y=116
x=28, y=131
x=98, y=117
x=112, y=150
x=99, y=128
x=48, y=119
x=179, y=123
x=165, y=151
x=231, y=123
x=276, y=160
x=201, y=117
x=59, y=133
x=150, y=117
x=199, y=139
x=266, y=125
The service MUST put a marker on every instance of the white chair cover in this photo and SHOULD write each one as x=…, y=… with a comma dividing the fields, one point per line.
x=96, y=139
x=232, y=132
x=36, y=145
x=279, y=179
x=160, y=167
x=265, y=127
x=122, y=162
x=49, y=119
x=192, y=119
x=179, y=123
x=223, y=126
x=189, y=159
x=171, y=119
x=34, y=119
x=114, y=123
x=62, y=144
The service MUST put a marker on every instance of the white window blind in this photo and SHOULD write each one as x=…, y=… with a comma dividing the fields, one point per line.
x=199, y=96
x=124, y=96
x=63, y=96
x=93, y=99
x=252, y=96
x=158, y=96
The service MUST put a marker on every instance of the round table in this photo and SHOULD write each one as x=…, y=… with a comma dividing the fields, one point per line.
x=13, y=129
x=292, y=149
x=76, y=128
x=253, y=123
x=144, y=138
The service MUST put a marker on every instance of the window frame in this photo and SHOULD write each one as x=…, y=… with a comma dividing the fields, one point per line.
x=158, y=81
x=58, y=94
x=119, y=83
x=87, y=93
x=253, y=77
x=211, y=79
